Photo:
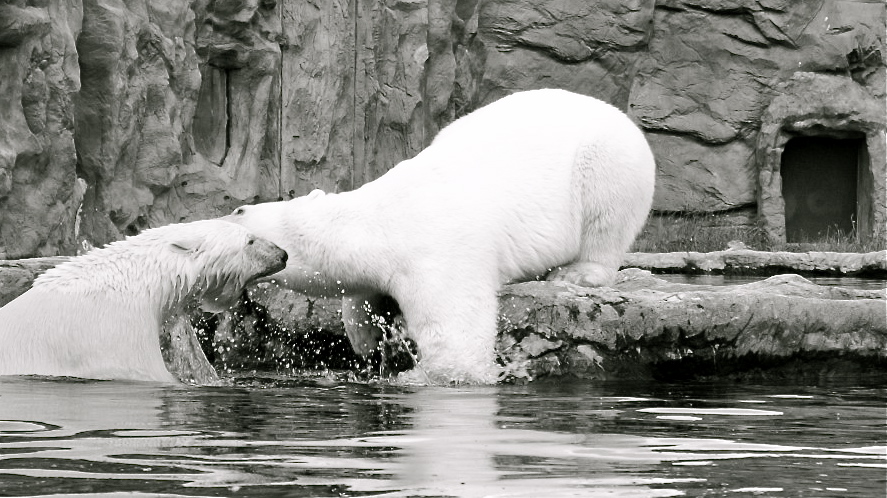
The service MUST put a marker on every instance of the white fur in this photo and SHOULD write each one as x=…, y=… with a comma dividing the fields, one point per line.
x=534, y=181
x=100, y=315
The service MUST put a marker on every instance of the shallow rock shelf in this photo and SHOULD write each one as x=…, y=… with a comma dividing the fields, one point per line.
x=645, y=327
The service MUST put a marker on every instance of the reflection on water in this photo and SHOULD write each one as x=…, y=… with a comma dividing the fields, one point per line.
x=318, y=438
x=850, y=282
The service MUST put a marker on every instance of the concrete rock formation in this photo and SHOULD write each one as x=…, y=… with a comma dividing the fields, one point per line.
x=784, y=326
x=118, y=115
x=811, y=104
x=643, y=327
x=744, y=261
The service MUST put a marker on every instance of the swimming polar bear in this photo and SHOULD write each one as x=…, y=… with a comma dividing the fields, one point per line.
x=100, y=315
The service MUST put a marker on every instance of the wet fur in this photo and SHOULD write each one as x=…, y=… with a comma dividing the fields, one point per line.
x=100, y=315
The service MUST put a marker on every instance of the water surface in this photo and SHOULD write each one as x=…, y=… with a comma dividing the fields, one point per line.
x=316, y=437
x=710, y=279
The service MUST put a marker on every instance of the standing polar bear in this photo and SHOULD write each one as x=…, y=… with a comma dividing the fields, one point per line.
x=536, y=181
x=100, y=315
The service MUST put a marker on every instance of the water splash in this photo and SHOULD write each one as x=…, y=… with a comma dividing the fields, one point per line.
x=395, y=345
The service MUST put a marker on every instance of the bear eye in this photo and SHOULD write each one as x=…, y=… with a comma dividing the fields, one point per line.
x=238, y=211
x=250, y=241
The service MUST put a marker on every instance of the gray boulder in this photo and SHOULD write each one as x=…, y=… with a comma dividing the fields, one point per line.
x=643, y=327
x=647, y=327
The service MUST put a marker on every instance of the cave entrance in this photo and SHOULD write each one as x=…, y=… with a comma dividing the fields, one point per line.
x=820, y=181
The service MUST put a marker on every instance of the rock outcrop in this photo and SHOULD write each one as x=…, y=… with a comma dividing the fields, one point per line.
x=136, y=114
x=39, y=191
x=643, y=327
x=173, y=117
x=745, y=261
x=646, y=327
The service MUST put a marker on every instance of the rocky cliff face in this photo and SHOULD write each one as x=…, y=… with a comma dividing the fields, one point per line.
x=139, y=113
x=39, y=192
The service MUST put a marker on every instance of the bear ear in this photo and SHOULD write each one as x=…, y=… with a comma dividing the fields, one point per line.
x=185, y=245
x=315, y=194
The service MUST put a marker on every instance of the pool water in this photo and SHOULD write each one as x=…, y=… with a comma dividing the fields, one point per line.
x=708, y=279
x=319, y=437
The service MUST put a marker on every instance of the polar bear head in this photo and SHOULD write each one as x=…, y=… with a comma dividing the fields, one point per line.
x=226, y=257
x=207, y=261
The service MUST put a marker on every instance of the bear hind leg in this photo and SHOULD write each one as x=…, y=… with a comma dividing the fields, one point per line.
x=585, y=274
x=601, y=251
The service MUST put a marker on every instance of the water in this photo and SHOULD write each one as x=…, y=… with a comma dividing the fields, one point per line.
x=319, y=438
x=849, y=282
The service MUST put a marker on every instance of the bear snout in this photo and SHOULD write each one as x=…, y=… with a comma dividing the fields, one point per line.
x=271, y=256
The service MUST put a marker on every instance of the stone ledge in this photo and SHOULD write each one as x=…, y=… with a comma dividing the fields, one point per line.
x=645, y=326
x=746, y=261
x=16, y=275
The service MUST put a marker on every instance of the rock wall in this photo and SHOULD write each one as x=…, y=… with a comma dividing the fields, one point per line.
x=39, y=192
x=137, y=113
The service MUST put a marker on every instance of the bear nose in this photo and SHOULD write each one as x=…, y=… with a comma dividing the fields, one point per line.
x=284, y=257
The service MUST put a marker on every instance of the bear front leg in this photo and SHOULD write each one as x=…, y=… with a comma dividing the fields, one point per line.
x=367, y=319
x=364, y=333
x=454, y=328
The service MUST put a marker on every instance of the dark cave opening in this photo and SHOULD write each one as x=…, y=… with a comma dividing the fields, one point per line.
x=820, y=186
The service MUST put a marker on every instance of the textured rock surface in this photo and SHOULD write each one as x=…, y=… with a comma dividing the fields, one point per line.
x=647, y=327
x=174, y=110
x=811, y=104
x=643, y=327
x=741, y=261
x=16, y=276
x=173, y=115
x=39, y=192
